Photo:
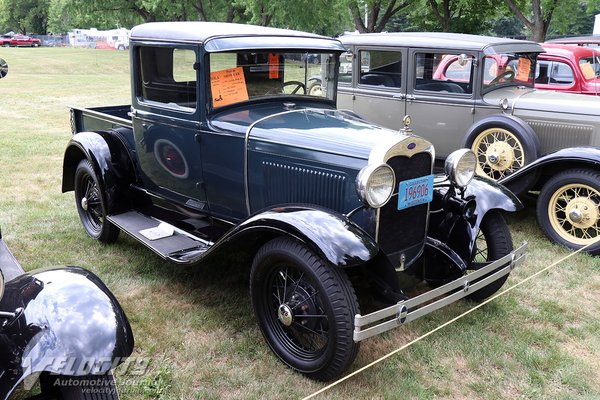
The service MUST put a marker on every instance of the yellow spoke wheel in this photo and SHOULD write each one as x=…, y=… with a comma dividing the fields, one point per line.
x=499, y=153
x=569, y=209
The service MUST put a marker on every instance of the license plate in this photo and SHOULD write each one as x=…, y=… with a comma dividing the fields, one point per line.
x=415, y=191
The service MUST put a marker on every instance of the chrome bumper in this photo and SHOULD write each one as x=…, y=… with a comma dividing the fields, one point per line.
x=405, y=311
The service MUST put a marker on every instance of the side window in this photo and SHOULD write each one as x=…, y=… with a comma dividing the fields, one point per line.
x=345, y=75
x=561, y=74
x=380, y=68
x=541, y=72
x=443, y=73
x=167, y=76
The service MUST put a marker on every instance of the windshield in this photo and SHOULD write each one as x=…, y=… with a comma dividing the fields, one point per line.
x=590, y=66
x=501, y=70
x=241, y=76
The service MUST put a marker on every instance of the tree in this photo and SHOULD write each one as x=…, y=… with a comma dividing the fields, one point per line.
x=377, y=13
x=25, y=16
x=537, y=15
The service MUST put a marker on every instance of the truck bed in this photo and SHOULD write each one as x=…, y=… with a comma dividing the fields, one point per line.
x=100, y=118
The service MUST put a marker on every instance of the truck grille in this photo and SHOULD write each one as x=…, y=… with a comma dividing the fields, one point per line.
x=403, y=231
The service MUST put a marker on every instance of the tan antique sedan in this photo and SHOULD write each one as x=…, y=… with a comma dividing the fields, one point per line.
x=477, y=92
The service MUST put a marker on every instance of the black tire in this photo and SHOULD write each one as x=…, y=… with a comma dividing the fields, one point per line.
x=289, y=283
x=568, y=209
x=502, y=146
x=91, y=204
x=493, y=242
x=91, y=387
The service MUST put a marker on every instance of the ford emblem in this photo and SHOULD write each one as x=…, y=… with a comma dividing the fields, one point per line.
x=411, y=146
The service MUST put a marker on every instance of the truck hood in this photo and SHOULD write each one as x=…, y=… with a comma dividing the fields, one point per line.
x=336, y=132
x=528, y=99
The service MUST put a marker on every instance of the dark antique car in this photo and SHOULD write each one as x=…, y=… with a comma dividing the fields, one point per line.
x=223, y=150
x=61, y=325
x=478, y=92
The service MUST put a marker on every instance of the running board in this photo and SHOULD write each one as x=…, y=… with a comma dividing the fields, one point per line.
x=166, y=240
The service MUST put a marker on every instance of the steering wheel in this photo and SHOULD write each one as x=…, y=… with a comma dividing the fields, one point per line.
x=299, y=85
x=507, y=75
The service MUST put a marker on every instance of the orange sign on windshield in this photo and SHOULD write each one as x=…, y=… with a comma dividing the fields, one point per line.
x=523, y=69
x=273, y=66
x=228, y=86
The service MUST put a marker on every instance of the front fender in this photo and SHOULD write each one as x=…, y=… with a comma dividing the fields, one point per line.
x=560, y=160
x=460, y=233
x=333, y=236
x=67, y=322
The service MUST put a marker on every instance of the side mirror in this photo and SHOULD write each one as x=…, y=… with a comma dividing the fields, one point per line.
x=3, y=68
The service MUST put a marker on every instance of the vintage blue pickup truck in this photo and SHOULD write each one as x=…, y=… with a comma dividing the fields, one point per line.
x=224, y=150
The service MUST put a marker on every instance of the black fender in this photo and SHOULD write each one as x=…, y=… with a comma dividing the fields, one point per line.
x=66, y=322
x=110, y=160
x=550, y=164
x=334, y=237
x=460, y=233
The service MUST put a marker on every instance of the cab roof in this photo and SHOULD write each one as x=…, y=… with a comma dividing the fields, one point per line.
x=451, y=41
x=221, y=36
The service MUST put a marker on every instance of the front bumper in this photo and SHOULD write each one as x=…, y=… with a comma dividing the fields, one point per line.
x=405, y=311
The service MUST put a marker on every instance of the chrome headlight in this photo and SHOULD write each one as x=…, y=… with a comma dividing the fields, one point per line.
x=460, y=167
x=375, y=184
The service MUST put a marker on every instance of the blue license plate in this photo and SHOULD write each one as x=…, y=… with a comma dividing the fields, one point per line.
x=415, y=191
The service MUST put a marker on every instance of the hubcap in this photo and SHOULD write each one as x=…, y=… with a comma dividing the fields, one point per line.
x=84, y=203
x=500, y=156
x=582, y=213
x=284, y=313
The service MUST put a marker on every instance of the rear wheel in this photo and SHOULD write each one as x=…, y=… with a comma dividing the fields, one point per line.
x=493, y=242
x=305, y=309
x=568, y=209
x=91, y=204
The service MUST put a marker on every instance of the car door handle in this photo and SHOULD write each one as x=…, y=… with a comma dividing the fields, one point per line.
x=410, y=97
x=400, y=96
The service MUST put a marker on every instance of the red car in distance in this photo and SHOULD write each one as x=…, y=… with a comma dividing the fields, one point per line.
x=24, y=41
x=568, y=68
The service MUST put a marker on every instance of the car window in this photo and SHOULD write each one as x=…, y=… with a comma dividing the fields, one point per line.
x=508, y=70
x=541, y=72
x=236, y=77
x=167, y=77
x=442, y=73
x=561, y=73
x=380, y=68
x=345, y=75
x=590, y=66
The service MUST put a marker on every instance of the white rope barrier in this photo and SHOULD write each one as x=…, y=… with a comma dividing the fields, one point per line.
x=358, y=371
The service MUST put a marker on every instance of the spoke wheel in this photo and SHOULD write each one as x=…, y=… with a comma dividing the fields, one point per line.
x=499, y=153
x=493, y=242
x=315, y=89
x=569, y=209
x=305, y=309
x=91, y=204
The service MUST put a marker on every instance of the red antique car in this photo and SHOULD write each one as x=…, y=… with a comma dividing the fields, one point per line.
x=568, y=68
x=25, y=41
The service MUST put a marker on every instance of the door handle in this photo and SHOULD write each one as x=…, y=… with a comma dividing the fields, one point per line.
x=400, y=96
x=410, y=97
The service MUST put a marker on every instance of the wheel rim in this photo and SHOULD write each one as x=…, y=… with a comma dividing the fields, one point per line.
x=90, y=203
x=574, y=213
x=499, y=153
x=296, y=314
x=480, y=254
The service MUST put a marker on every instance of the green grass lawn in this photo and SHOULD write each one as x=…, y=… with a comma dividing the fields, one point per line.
x=540, y=341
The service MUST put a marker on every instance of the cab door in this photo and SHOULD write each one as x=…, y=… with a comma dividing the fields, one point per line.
x=378, y=86
x=440, y=98
x=166, y=123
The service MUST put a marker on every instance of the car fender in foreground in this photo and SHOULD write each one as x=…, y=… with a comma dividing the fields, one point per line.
x=67, y=322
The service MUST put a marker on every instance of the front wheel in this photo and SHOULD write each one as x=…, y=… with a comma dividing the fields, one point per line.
x=305, y=309
x=91, y=204
x=568, y=209
x=493, y=242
